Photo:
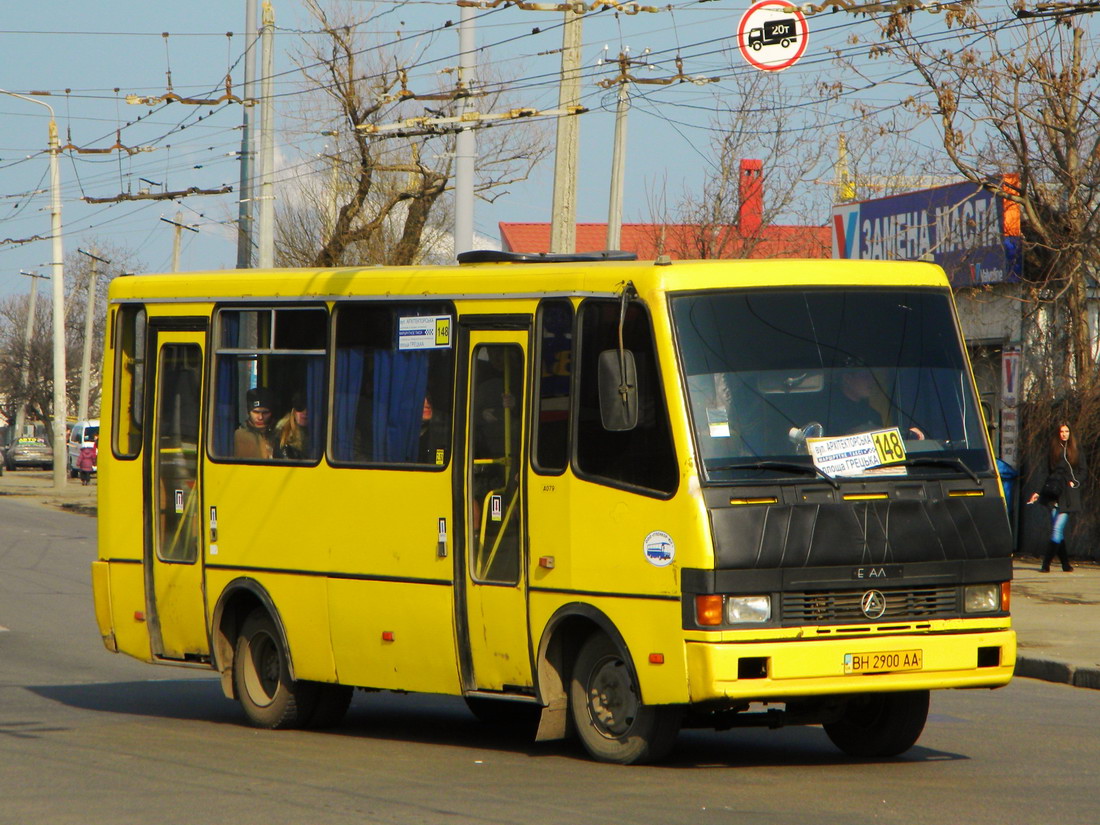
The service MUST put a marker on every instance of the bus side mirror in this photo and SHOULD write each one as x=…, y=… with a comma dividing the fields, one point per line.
x=618, y=380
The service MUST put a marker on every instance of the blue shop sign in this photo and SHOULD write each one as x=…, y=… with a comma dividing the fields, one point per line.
x=960, y=227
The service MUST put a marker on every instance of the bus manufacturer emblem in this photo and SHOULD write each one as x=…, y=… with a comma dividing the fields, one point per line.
x=873, y=604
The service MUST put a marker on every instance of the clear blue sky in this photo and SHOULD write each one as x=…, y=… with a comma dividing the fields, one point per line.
x=94, y=48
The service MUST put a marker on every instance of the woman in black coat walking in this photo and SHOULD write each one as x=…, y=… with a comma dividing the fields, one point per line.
x=1062, y=493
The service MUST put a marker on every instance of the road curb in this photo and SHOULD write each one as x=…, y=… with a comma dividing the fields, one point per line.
x=1049, y=670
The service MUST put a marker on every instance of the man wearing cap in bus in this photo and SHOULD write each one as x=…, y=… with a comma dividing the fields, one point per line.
x=254, y=439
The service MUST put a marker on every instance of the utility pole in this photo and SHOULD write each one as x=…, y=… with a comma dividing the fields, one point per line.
x=618, y=162
x=244, y=190
x=28, y=335
x=563, y=225
x=180, y=226
x=466, y=140
x=266, y=256
x=89, y=323
x=57, y=275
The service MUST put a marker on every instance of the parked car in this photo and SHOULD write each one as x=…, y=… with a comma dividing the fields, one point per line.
x=28, y=451
x=83, y=434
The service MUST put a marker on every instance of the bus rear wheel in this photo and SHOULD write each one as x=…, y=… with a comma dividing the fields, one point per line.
x=261, y=672
x=611, y=720
x=880, y=724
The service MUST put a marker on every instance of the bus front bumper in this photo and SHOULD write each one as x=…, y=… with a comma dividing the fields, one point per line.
x=779, y=670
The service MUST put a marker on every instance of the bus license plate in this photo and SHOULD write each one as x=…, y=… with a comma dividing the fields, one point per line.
x=887, y=661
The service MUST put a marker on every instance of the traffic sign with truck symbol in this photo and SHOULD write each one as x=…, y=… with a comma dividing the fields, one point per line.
x=772, y=35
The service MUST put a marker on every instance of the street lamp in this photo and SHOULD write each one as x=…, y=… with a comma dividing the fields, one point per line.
x=58, y=278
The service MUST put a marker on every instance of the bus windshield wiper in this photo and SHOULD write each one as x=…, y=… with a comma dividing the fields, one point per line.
x=928, y=461
x=793, y=466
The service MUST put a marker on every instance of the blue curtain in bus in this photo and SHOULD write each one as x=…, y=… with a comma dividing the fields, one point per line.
x=315, y=376
x=349, y=380
x=225, y=402
x=400, y=384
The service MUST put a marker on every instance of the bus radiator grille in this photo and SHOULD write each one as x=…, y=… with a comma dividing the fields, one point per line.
x=821, y=607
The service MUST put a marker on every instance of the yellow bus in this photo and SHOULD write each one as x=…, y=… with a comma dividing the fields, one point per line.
x=608, y=497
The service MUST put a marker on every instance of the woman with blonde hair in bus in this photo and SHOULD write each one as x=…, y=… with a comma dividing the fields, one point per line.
x=1061, y=492
x=292, y=437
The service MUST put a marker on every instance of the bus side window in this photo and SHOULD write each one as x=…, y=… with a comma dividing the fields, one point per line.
x=394, y=384
x=129, y=395
x=553, y=387
x=274, y=356
x=643, y=456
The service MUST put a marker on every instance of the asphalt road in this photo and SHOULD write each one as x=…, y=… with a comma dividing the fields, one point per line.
x=91, y=737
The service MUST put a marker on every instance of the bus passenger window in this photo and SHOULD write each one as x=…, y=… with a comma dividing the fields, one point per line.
x=269, y=399
x=394, y=384
x=555, y=358
x=643, y=456
x=129, y=380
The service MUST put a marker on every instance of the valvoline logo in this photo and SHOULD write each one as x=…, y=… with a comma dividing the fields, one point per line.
x=846, y=231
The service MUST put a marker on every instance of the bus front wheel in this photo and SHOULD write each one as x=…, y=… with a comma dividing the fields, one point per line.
x=261, y=671
x=880, y=724
x=611, y=720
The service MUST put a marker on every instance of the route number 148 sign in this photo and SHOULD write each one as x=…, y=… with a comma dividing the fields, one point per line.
x=772, y=35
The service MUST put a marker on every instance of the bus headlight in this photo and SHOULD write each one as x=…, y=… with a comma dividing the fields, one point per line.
x=742, y=609
x=982, y=598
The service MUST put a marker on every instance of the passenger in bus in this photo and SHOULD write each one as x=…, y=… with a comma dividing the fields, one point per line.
x=293, y=438
x=255, y=438
x=433, y=435
x=850, y=410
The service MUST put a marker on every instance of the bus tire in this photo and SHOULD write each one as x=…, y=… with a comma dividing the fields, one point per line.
x=880, y=724
x=261, y=670
x=611, y=720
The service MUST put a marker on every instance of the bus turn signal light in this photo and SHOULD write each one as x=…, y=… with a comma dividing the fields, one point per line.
x=708, y=609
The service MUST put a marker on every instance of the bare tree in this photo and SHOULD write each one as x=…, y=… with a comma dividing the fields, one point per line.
x=37, y=359
x=379, y=197
x=1015, y=105
x=766, y=120
x=1017, y=114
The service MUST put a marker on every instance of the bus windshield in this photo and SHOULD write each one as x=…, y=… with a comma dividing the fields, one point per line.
x=768, y=369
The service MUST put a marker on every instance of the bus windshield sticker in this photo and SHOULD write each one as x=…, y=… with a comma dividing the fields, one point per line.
x=659, y=548
x=858, y=453
x=718, y=422
x=424, y=332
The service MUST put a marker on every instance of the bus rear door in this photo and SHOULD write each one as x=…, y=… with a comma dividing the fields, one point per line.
x=492, y=610
x=173, y=536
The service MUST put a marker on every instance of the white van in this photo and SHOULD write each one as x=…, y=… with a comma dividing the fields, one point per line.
x=83, y=434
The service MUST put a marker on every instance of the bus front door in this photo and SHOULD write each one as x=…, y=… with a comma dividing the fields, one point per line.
x=175, y=609
x=497, y=656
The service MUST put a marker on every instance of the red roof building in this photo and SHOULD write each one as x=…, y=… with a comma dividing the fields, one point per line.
x=748, y=239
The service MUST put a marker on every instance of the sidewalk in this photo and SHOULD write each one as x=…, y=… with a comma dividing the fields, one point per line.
x=1057, y=621
x=1056, y=615
x=36, y=487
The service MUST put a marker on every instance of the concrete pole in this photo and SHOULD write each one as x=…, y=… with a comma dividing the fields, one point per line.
x=57, y=267
x=244, y=189
x=89, y=323
x=60, y=399
x=28, y=335
x=266, y=257
x=177, y=231
x=563, y=218
x=618, y=165
x=179, y=227
x=466, y=140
